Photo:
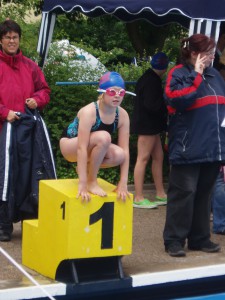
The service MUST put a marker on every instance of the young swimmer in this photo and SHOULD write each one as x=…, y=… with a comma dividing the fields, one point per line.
x=87, y=140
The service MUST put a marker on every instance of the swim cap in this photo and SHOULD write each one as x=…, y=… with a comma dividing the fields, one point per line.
x=159, y=61
x=110, y=79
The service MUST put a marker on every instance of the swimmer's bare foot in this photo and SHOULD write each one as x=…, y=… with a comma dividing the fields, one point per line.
x=95, y=189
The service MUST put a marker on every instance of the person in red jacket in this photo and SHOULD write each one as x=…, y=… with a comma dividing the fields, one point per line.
x=22, y=84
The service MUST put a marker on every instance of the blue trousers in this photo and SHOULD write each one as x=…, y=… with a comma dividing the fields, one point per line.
x=218, y=204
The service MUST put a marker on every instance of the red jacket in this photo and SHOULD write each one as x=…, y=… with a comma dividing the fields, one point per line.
x=20, y=78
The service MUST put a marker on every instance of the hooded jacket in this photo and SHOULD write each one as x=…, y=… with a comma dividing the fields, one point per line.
x=20, y=78
x=196, y=106
x=26, y=158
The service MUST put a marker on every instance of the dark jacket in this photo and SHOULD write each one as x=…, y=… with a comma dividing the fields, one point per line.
x=216, y=63
x=149, y=114
x=196, y=105
x=26, y=157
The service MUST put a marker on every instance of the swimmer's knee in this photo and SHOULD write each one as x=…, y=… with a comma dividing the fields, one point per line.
x=118, y=156
x=104, y=138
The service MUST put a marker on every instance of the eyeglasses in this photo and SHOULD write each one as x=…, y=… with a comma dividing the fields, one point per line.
x=9, y=38
x=112, y=92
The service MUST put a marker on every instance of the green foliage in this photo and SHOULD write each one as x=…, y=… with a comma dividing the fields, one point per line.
x=172, y=42
x=105, y=37
x=64, y=55
x=105, y=32
x=18, y=9
x=29, y=39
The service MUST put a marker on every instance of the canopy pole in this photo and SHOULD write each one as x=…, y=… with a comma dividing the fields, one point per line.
x=45, y=35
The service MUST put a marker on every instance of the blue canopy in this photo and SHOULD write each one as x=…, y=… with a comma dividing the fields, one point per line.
x=128, y=10
x=197, y=15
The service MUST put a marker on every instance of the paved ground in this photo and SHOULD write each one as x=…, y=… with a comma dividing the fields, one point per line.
x=148, y=251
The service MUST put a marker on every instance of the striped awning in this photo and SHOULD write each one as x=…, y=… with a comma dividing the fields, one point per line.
x=199, y=16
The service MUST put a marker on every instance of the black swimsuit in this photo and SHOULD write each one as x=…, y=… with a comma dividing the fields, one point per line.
x=72, y=130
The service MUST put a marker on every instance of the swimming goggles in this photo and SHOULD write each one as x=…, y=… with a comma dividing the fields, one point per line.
x=111, y=92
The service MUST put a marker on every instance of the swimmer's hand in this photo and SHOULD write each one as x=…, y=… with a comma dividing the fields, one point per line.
x=122, y=191
x=83, y=193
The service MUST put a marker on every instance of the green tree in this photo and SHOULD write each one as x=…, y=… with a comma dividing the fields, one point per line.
x=105, y=35
x=19, y=9
x=116, y=41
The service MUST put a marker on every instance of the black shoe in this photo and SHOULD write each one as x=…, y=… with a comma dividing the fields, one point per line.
x=5, y=236
x=175, y=249
x=208, y=247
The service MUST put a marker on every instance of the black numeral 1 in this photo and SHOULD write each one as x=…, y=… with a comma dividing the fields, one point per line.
x=63, y=206
x=105, y=213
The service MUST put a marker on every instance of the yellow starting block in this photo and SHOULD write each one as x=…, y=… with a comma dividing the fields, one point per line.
x=69, y=230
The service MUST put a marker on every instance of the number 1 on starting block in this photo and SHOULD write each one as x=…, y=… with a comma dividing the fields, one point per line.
x=68, y=228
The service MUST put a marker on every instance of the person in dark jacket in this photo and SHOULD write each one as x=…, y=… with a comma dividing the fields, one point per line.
x=22, y=84
x=195, y=95
x=148, y=121
x=220, y=46
x=218, y=194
